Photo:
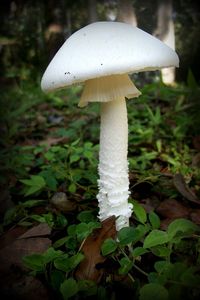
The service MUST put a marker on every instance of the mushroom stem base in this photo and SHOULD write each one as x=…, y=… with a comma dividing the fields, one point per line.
x=113, y=165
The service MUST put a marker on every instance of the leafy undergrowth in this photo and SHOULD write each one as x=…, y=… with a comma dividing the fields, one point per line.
x=49, y=208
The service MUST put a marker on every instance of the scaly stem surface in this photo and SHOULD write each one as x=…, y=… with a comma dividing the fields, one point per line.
x=113, y=166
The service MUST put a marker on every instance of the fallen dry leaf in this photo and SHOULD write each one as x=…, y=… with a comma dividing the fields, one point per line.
x=185, y=191
x=29, y=242
x=50, y=141
x=11, y=255
x=195, y=216
x=196, y=142
x=92, y=251
x=13, y=281
x=196, y=161
x=41, y=230
x=23, y=287
x=172, y=209
x=11, y=235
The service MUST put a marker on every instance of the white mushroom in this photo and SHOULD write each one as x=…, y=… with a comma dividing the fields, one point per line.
x=102, y=55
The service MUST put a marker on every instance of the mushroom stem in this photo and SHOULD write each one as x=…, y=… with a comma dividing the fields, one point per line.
x=113, y=165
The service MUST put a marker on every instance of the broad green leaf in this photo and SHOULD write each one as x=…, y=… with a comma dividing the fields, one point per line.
x=86, y=216
x=51, y=254
x=108, y=246
x=82, y=231
x=161, y=251
x=181, y=226
x=56, y=278
x=33, y=203
x=140, y=212
x=72, y=188
x=69, y=288
x=67, y=264
x=62, y=264
x=88, y=287
x=75, y=260
x=60, y=242
x=191, y=81
x=71, y=229
x=154, y=277
x=126, y=235
x=74, y=158
x=155, y=237
x=36, y=183
x=162, y=266
x=138, y=251
x=153, y=291
x=129, y=235
x=34, y=261
x=154, y=220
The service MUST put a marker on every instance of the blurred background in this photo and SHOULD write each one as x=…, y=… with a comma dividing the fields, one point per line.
x=33, y=30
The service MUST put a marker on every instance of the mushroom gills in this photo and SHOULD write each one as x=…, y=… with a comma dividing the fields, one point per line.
x=108, y=88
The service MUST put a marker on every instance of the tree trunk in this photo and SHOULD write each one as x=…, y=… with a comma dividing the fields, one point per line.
x=92, y=11
x=126, y=12
x=165, y=32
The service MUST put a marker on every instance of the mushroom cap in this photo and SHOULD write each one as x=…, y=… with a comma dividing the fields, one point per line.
x=103, y=49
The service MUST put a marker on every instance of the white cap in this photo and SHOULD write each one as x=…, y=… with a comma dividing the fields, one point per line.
x=106, y=48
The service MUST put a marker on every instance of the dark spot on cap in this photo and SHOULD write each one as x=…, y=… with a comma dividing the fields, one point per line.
x=67, y=73
x=74, y=77
x=53, y=82
x=101, y=64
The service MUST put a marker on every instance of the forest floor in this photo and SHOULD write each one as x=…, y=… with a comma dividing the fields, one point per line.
x=52, y=245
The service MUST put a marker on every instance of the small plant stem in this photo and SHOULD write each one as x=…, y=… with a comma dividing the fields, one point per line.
x=140, y=270
x=134, y=265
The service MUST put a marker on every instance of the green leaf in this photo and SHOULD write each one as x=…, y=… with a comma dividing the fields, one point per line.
x=154, y=220
x=181, y=226
x=129, y=235
x=67, y=264
x=88, y=287
x=154, y=277
x=60, y=242
x=51, y=254
x=62, y=264
x=56, y=278
x=75, y=260
x=140, y=212
x=162, y=266
x=33, y=203
x=71, y=242
x=125, y=265
x=126, y=235
x=86, y=216
x=191, y=81
x=108, y=246
x=34, y=262
x=153, y=291
x=74, y=158
x=36, y=183
x=161, y=251
x=69, y=288
x=155, y=237
x=71, y=229
x=138, y=251
x=82, y=231
x=72, y=188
